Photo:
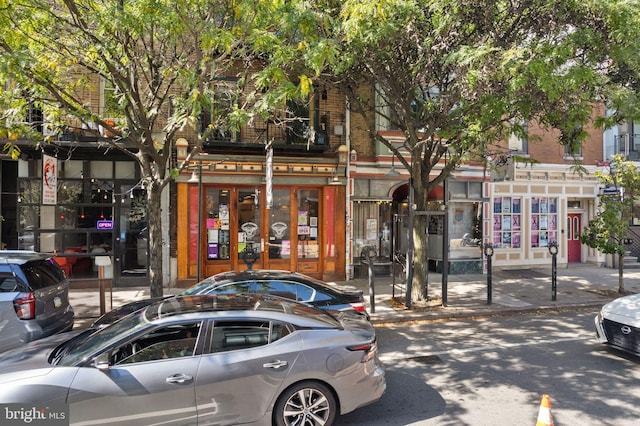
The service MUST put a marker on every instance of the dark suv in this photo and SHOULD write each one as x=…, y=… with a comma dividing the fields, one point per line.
x=34, y=298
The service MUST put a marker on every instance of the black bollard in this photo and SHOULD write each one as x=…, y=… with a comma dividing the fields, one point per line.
x=553, y=249
x=488, y=251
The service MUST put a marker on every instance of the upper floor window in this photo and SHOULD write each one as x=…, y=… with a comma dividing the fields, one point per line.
x=573, y=149
x=35, y=117
x=386, y=117
x=389, y=118
x=572, y=142
x=518, y=141
x=218, y=108
x=627, y=142
x=306, y=124
x=109, y=104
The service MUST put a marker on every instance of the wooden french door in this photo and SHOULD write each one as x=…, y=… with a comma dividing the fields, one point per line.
x=574, y=227
x=240, y=232
x=232, y=232
x=248, y=232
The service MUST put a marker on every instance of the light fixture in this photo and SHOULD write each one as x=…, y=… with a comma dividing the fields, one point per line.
x=343, y=154
x=194, y=177
x=335, y=180
x=393, y=171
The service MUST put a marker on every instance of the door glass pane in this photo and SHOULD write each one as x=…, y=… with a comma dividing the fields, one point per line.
x=134, y=234
x=280, y=226
x=308, y=224
x=217, y=225
x=248, y=225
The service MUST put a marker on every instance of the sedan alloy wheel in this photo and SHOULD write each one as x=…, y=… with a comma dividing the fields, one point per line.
x=306, y=403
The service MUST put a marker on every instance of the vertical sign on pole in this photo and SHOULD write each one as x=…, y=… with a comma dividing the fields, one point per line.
x=269, y=175
x=49, y=180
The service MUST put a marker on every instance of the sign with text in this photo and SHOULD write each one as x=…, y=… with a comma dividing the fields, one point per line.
x=104, y=224
x=49, y=180
x=34, y=414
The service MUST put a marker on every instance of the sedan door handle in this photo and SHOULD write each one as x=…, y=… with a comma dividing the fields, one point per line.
x=275, y=364
x=179, y=378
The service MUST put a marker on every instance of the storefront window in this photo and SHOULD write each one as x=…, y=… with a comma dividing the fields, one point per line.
x=544, y=221
x=365, y=218
x=99, y=216
x=280, y=226
x=218, y=226
x=507, y=220
x=308, y=239
x=329, y=222
x=465, y=225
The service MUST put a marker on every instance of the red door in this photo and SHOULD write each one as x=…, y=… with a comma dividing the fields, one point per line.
x=574, y=227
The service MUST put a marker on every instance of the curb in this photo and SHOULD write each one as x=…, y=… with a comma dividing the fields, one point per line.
x=418, y=317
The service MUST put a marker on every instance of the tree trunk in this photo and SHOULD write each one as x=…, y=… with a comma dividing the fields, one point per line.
x=621, y=273
x=154, y=224
x=419, y=288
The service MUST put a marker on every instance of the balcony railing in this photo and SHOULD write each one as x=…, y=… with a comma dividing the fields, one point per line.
x=289, y=134
x=628, y=145
x=286, y=135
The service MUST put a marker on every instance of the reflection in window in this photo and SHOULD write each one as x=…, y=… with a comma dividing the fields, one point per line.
x=174, y=341
x=288, y=290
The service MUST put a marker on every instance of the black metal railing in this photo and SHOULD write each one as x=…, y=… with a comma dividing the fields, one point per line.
x=627, y=145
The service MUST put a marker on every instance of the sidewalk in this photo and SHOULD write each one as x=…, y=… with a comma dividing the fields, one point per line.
x=513, y=291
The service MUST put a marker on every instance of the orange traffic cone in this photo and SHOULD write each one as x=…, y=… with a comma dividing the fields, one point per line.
x=544, y=415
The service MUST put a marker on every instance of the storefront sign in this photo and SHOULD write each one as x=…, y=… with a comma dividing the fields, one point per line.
x=269, y=176
x=104, y=224
x=49, y=180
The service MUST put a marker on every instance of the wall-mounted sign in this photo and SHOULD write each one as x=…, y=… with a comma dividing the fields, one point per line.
x=49, y=180
x=104, y=224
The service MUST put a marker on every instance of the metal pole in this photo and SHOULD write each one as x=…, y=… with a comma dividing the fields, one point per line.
x=488, y=250
x=393, y=255
x=553, y=250
x=554, y=277
x=445, y=244
x=372, y=290
x=410, y=248
x=199, y=248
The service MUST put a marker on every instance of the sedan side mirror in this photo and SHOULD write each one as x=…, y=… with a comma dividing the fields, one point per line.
x=102, y=362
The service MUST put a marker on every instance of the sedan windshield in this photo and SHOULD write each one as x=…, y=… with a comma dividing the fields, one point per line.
x=102, y=339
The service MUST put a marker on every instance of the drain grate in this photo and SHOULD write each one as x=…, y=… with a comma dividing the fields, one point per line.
x=521, y=274
x=426, y=359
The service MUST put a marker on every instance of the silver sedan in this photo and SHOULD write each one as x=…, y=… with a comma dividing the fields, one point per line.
x=225, y=359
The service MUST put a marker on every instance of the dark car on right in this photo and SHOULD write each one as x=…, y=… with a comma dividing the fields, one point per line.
x=290, y=285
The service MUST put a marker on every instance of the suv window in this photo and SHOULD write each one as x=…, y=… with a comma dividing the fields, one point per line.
x=42, y=274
